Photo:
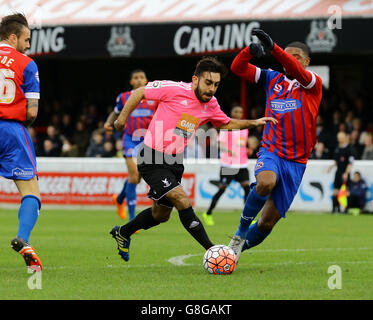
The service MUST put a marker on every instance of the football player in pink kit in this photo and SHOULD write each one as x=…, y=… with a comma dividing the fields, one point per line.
x=20, y=90
x=233, y=160
x=182, y=108
x=293, y=98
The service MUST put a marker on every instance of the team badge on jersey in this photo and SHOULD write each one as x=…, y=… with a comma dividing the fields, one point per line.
x=157, y=84
x=259, y=165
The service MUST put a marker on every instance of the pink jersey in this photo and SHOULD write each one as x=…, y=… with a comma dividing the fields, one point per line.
x=236, y=142
x=178, y=116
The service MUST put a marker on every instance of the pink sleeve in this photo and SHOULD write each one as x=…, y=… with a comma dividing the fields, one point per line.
x=218, y=117
x=159, y=90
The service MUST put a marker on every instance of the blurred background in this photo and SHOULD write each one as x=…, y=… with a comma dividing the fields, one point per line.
x=85, y=51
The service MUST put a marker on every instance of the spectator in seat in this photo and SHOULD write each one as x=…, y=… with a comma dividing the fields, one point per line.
x=355, y=142
x=109, y=151
x=320, y=152
x=81, y=138
x=69, y=149
x=357, y=191
x=49, y=149
x=368, y=149
x=54, y=136
x=67, y=128
x=96, y=147
x=253, y=147
x=118, y=148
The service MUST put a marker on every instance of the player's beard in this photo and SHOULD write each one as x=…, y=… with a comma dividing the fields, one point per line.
x=20, y=49
x=199, y=94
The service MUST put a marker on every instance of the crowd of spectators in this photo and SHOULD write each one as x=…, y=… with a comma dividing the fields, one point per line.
x=355, y=118
x=80, y=133
x=75, y=135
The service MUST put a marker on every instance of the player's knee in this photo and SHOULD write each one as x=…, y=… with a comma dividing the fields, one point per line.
x=265, y=187
x=181, y=202
x=179, y=199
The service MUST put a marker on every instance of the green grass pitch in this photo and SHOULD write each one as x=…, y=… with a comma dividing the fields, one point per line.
x=81, y=261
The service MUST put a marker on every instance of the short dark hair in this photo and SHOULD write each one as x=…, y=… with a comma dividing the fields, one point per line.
x=136, y=71
x=12, y=24
x=210, y=64
x=300, y=45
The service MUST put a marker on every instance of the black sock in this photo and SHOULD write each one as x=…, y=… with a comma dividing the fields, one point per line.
x=144, y=220
x=194, y=226
x=247, y=191
x=215, y=200
x=335, y=204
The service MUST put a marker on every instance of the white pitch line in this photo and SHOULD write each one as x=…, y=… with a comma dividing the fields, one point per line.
x=180, y=260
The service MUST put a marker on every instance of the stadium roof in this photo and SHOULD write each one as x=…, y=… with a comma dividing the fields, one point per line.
x=77, y=12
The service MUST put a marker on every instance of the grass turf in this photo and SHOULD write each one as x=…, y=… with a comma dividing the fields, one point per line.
x=81, y=262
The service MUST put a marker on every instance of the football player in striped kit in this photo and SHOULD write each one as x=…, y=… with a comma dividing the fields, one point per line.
x=293, y=98
x=133, y=137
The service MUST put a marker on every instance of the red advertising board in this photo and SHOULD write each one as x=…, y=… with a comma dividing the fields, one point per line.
x=96, y=188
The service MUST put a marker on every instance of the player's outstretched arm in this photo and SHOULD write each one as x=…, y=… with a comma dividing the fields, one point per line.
x=241, y=65
x=236, y=124
x=32, y=111
x=291, y=64
x=131, y=104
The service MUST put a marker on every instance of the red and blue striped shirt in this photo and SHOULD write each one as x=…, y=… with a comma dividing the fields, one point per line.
x=140, y=118
x=293, y=102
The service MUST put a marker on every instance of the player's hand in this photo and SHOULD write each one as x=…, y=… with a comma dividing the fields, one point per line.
x=118, y=125
x=263, y=121
x=256, y=50
x=264, y=38
x=108, y=127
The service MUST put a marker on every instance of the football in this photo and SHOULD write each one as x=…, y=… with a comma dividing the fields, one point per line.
x=219, y=259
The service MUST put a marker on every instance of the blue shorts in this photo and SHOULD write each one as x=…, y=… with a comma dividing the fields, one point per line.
x=289, y=176
x=131, y=146
x=17, y=154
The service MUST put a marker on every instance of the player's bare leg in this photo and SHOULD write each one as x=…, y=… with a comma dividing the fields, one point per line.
x=269, y=216
x=133, y=172
x=28, y=214
x=188, y=218
x=26, y=187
